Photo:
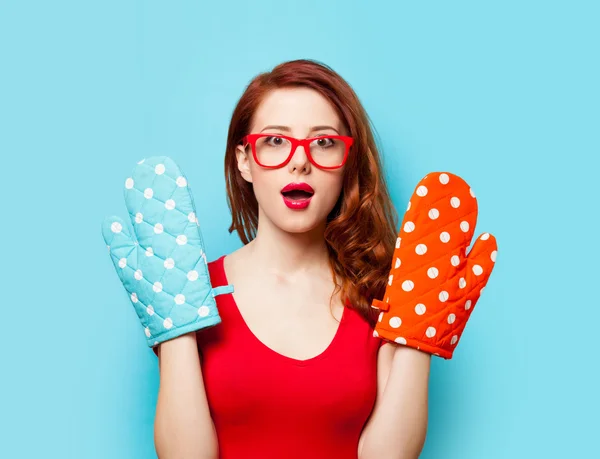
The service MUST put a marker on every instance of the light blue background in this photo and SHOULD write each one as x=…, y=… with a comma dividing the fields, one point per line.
x=504, y=93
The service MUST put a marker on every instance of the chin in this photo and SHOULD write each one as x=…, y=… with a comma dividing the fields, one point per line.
x=298, y=225
x=295, y=221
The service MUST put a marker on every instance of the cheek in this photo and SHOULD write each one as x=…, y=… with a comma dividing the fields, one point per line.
x=264, y=183
x=329, y=189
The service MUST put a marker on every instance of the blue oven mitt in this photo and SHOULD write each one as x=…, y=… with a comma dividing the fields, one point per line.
x=163, y=268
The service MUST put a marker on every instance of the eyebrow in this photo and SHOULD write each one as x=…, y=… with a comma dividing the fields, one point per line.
x=287, y=129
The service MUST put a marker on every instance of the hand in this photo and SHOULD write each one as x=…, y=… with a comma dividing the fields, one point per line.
x=433, y=283
x=164, y=268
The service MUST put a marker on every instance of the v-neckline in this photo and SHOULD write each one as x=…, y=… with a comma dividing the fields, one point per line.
x=268, y=350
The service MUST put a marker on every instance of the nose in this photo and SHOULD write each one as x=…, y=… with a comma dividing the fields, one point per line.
x=299, y=158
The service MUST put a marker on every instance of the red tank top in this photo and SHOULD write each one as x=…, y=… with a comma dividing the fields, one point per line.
x=265, y=405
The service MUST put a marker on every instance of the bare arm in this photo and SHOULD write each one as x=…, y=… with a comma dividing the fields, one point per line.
x=397, y=426
x=183, y=427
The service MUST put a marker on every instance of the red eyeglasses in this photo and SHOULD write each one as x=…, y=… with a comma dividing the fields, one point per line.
x=274, y=150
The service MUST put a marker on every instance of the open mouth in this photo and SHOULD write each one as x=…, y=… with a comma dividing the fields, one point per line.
x=297, y=195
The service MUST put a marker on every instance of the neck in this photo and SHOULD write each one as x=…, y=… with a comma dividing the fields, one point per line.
x=289, y=256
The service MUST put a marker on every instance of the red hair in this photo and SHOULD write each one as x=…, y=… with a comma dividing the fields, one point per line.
x=361, y=228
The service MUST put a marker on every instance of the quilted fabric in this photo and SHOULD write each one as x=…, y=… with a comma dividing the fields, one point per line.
x=163, y=268
x=433, y=283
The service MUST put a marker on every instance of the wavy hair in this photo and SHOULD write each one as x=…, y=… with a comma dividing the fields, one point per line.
x=361, y=228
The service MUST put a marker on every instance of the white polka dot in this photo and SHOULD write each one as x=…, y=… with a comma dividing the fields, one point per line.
x=129, y=183
x=464, y=226
x=444, y=179
x=432, y=272
x=181, y=182
x=134, y=297
x=420, y=309
x=472, y=192
x=451, y=318
x=203, y=311
x=481, y=291
x=455, y=260
x=408, y=207
x=169, y=263
x=149, y=251
x=398, y=243
x=400, y=340
x=493, y=255
x=192, y=275
x=468, y=305
x=168, y=323
x=454, y=340
x=443, y=296
x=421, y=249
x=395, y=322
x=116, y=227
x=444, y=236
x=181, y=239
x=380, y=316
x=138, y=274
x=398, y=263
x=157, y=287
x=158, y=228
x=477, y=270
x=139, y=218
x=409, y=227
x=375, y=334
x=390, y=279
x=147, y=331
x=159, y=169
x=170, y=204
x=434, y=213
x=430, y=332
x=462, y=283
x=422, y=191
x=179, y=299
x=192, y=217
x=150, y=310
x=485, y=236
x=148, y=193
x=122, y=262
x=408, y=285
x=455, y=202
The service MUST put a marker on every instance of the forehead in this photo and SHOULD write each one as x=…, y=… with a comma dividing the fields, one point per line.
x=295, y=107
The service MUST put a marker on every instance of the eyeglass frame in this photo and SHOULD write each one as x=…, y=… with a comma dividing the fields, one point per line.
x=251, y=139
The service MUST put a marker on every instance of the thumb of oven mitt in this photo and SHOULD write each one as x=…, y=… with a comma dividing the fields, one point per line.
x=162, y=265
x=434, y=283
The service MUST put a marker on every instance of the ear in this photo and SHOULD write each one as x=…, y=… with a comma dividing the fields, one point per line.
x=243, y=162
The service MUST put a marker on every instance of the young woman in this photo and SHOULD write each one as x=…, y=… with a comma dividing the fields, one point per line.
x=294, y=369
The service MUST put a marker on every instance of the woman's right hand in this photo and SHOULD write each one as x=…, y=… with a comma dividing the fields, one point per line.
x=163, y=268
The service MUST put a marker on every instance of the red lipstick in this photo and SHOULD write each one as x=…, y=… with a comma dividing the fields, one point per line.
x=297, y=195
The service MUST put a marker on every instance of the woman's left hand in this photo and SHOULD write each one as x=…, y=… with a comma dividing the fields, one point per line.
x=433, y=283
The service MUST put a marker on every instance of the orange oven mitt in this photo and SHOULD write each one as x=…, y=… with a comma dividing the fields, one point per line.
x=433, y=283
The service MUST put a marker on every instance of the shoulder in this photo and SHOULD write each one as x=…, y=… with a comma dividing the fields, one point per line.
x=216, y=272
x=362, y=329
